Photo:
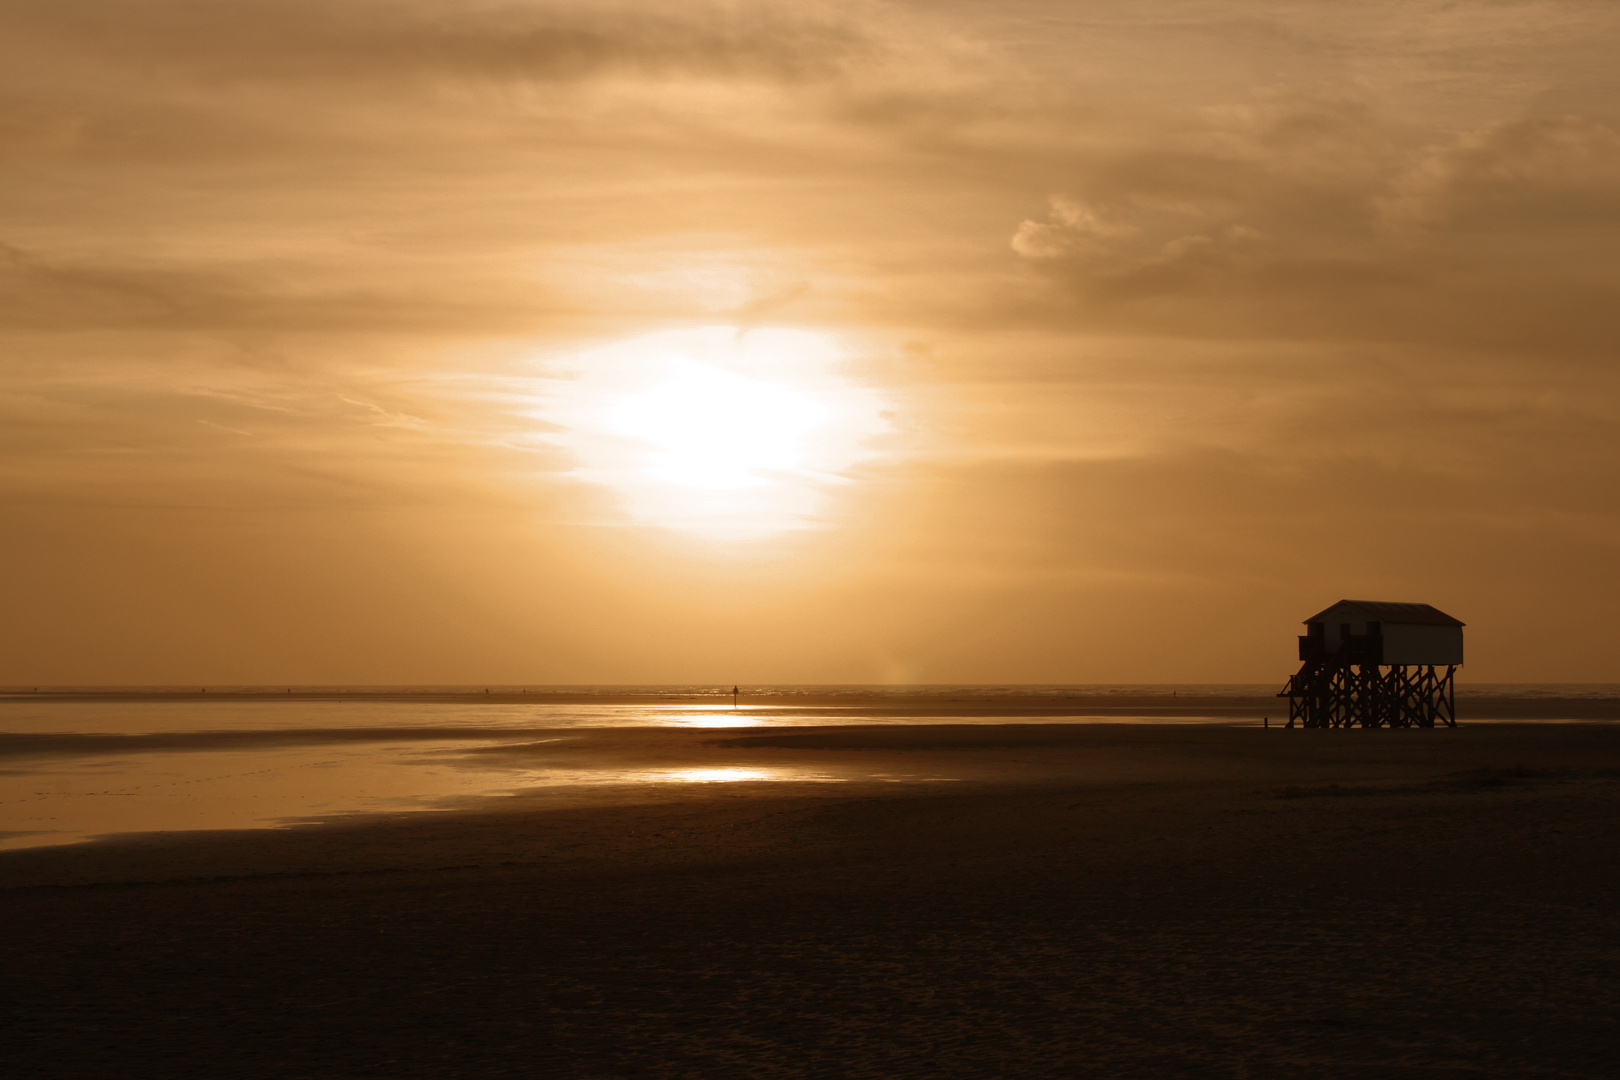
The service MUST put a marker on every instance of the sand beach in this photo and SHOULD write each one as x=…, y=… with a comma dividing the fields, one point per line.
x=962, y=900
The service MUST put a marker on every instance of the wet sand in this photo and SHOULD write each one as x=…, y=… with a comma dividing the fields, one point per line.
x=1089, y=900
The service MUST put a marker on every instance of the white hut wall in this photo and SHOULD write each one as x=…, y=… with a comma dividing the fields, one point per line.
x=1416, y=643
x=1333, y=634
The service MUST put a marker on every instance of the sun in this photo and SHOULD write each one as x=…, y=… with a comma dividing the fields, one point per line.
x=715, y=430
x=712, y=428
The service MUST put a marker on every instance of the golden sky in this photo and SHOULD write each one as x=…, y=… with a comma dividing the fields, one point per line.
x=529, y=342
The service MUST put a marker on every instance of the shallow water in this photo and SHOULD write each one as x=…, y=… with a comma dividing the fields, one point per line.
x=67, y=799
x=78, y=766
x=148, y=717
x=74, y=770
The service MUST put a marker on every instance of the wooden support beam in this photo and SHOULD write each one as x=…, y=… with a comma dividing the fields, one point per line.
x=1336, y=692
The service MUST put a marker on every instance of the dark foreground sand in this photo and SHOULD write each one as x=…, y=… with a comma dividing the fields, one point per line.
x=1087, y=901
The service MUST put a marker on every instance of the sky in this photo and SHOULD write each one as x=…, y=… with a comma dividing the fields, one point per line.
x=816, y=342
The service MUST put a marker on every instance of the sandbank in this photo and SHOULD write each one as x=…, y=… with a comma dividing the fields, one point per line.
x=1031, y=900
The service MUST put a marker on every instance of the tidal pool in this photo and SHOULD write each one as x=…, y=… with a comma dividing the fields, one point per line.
x=46, y=800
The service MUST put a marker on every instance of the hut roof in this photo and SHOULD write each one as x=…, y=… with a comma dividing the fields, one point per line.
x=1386, y=611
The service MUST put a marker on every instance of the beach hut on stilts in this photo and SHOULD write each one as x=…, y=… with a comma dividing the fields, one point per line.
x=1373, y=663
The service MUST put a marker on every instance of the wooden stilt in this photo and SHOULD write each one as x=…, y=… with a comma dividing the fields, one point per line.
x=1337, y=692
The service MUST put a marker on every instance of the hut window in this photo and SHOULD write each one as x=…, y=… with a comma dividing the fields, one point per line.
x=1344, y=630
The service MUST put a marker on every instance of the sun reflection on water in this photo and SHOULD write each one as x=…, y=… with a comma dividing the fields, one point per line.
x=711, y=720
x=721, y=775
x=556, y=779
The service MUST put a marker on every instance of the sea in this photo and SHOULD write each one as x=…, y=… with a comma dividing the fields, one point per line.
x=78, y=764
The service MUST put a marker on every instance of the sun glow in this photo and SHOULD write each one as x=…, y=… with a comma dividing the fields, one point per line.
x=716, y=431
x=712, y=428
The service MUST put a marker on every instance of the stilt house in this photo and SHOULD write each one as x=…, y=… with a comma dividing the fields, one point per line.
x=1373, y=663
x=1380, y=632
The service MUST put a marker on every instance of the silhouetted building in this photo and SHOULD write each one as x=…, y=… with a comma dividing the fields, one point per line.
x=1372, y=663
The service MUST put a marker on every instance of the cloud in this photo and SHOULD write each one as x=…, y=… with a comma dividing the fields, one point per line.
x=1071, y=228
x=360, y=40
x=43, y=293
x=1524, y=174
x=1269, y=222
